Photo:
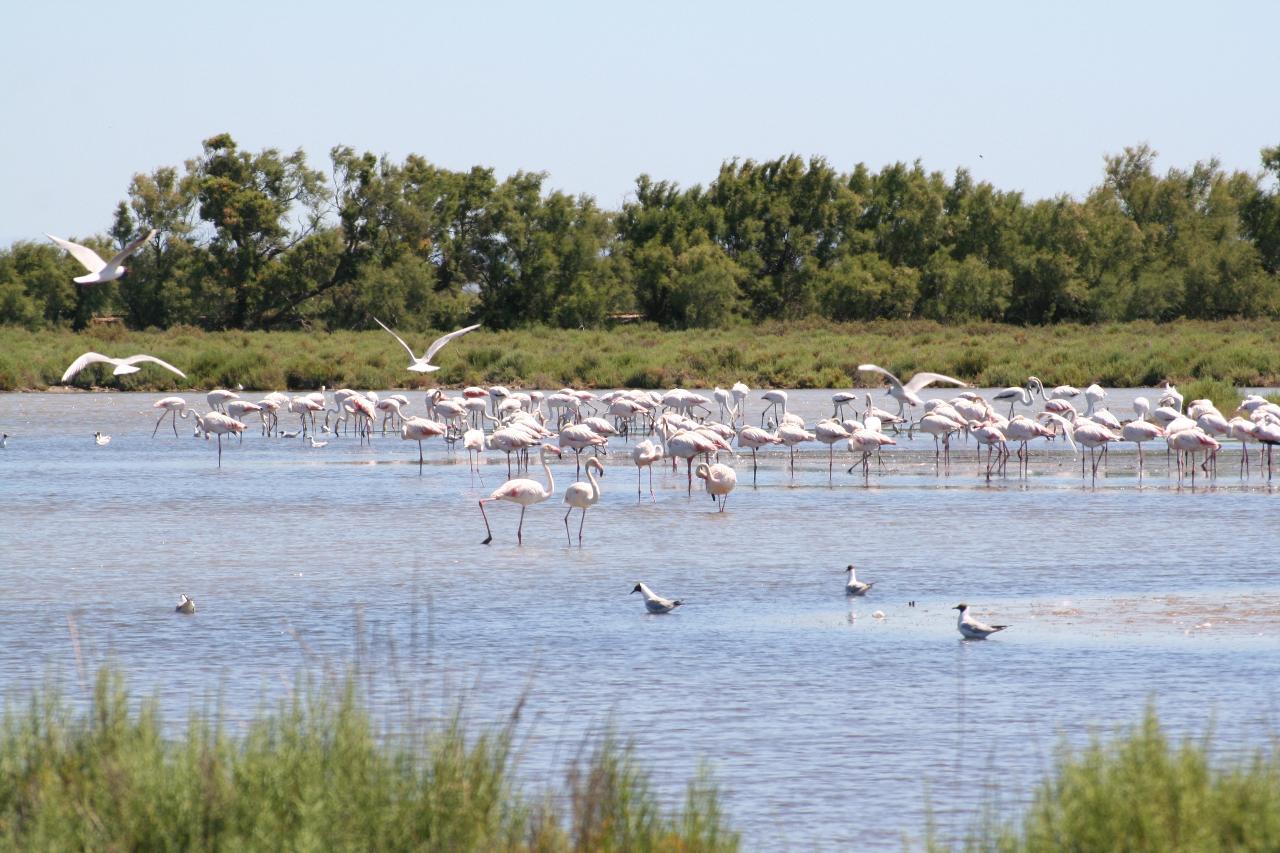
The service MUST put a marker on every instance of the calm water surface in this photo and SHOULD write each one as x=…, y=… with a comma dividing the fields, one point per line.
x=825, y=727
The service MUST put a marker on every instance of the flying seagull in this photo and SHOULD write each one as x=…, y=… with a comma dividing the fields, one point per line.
x=123, y=365
x=100, y=271
x=972, y=629
x=906, y=394
x=424, y=365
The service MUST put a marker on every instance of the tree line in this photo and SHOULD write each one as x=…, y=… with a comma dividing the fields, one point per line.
x=263, y=240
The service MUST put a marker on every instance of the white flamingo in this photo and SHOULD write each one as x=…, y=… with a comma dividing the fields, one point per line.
x=777, y=401
x=522, y=491
x=644, y=455
x=172, y=406
x=216, y=423
x=419, y=430
x=583, y=496
x=720, y=480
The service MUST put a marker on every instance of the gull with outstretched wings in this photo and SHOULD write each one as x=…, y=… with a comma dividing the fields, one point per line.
x=100, y=271
x=123, y=365
x=424, y=365
x=906, y=394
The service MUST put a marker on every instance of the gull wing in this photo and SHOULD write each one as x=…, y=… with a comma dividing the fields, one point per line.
x=87, y=257
x=398, y=338
x=876, y=369
x=922, y=380
x=439, y=342
x=134, y=359
x=84, y=361
x=130, y=249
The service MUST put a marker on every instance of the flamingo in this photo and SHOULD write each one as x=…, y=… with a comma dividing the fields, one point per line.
x=993, y=437
x=655, y=603
x=867, y=439
x=839, y=400
x=219, y=424
x=791, y=435
x=219, y=397
x=644, y=455
x=829, y=432
x=578, y=438
x=305, y=407
x=424, y=365
x=100, y=271
x=523, y=492
x=172, y=406
x=473, y=441
x=885, y=417
x=906, y=394
x=582, y=496
x=1094, y=394
x=1189, y=441
x=686, y=445
x=940, y=427
x=777, y=401
x=739, y=392
x=239, y=408
x=123, y=365
x=1023, y=429
x=1015, y=395
x=1060, y=392
x=720, y=480
x=419, y=430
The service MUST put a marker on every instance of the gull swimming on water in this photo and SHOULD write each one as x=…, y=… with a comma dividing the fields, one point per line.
x=656, y=603
x=971, y=628
x=315, y=443
x=100, y=271
x=855, y=586
x=186, y=605
x=101, y=440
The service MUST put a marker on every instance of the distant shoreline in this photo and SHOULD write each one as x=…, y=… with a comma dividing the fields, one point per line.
x=1243, y=353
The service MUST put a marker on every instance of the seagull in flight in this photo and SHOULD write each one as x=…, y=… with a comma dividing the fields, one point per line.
x=655, y=603
x=972, y=629
x=906, y=394
x=123, y=365
x=424, y=365
x=855, y=586
x=100, y=271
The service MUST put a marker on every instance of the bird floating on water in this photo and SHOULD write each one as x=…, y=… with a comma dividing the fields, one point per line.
x=311, y=439
x=855, y=586
x=186, y=605
x=123, y=365
x=100, y=271
x=655, y=603
x=971, y=628
x=424, y=365
x=101, y=440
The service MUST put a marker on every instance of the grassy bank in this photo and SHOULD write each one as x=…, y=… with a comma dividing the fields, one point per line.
x=314, y=775
x=1140, y=792
x=803, y=355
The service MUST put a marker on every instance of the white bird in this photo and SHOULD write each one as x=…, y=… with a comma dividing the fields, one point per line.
x=100, y=271
x=582, y=496
x=186, y=606
x=424, y=365
x=972, y=629
x=311, y=439
x=855, y=586
x=101, y=440
x=522, y=491
x=720, y=480
x=171, y=406
x=4, y=439
x=655, y=603
x=123, y=365
x=906, y=394
x=644, y=455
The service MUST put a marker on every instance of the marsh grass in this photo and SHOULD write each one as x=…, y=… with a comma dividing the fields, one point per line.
x=314, y=774
x=795, y=355
x=1141, y=792
x=1222, y=394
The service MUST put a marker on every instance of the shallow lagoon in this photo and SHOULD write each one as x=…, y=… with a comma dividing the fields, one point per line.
x=824, y=726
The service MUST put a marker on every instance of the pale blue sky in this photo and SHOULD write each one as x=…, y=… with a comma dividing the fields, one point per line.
x=596, y=93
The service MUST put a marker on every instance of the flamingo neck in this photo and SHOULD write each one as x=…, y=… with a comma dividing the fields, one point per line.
x=551, y=483
x=595, y=485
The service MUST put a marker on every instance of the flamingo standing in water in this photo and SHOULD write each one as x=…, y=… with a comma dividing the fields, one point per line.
x=791, y=435
x=829, y=432
x=906, y=394
x=419, y=430
x=473, y=441
x=172, y=406
x=720, y=480
x=220, y=424
x=583, y=496
x=644, y=455
x=523, y=492
x=754, y=438
x=1141, y=431
x=686, y=445
x=777, y=400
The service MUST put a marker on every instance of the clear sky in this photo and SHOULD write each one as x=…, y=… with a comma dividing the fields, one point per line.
x=1027, y=95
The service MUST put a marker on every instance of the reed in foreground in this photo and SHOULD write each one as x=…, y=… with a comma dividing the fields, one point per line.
x=1140, y=792
x=314, y=775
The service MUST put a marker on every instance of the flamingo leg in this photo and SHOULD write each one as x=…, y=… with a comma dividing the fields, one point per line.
x=688, y=472
x=520, y=529
x=219, y=450
x=566, y=527
x=651, y=497
x=581, y=522
x=163, y=415
x=488, y=533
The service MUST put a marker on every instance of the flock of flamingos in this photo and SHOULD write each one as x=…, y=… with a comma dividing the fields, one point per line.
x=679, y=425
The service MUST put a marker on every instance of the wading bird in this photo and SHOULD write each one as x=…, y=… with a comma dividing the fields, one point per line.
x=100, y=271
x=583, y=496
x=720, y=480
x=644, y=455
x=424, y=365
x=523, y=492
x=172, y=407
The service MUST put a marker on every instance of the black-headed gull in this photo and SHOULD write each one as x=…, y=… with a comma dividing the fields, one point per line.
x=123, y=365
x=855, y=586
x=186, y=605
x=971, y=628
x=424, y=365
x=101, y=440
x=655, y=603
x=100, y=271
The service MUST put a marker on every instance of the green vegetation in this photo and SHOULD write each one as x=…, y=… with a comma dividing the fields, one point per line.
x=314, y=775
x=1222, y=394
x=264, y=241
x=1141, y=793
x=792, y=355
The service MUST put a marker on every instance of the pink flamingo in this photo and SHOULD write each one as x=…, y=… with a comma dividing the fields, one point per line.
x=419, y=430
x=523, y=492
x=172, y=406
x=583, y=496
x=644, y=455
x=720, y=480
